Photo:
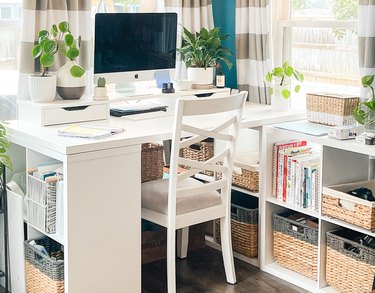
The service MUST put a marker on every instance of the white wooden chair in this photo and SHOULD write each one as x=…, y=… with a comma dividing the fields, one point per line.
x=181, y=201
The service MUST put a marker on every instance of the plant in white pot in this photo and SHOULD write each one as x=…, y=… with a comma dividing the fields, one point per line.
x=201, y=52
x=364, y=113
x=100, y=91
x=279, y=80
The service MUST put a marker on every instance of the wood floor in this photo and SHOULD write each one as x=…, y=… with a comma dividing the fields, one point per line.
x=203, y=271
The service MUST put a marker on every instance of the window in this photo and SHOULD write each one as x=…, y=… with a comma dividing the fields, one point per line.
x=6, y=12
x=319, y=38
x=104, y=6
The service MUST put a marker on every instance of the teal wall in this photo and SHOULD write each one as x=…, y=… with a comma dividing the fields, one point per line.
x=224, y=17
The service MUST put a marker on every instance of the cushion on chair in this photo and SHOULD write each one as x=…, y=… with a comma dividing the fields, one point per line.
x=155, y=197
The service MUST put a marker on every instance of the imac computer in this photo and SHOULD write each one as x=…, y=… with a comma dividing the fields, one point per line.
x=131, y=47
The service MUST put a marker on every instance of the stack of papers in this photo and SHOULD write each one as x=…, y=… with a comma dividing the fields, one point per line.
x=88, y=131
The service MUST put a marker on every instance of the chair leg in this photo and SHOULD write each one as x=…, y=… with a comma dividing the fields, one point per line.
x=182, y=242
x=171, y=260
x=226, y=249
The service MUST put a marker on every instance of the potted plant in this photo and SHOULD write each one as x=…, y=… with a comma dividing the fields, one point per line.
x=279, y=80
x=100, y=91
x=43, y=87
x=364, y=113
x=201, y=52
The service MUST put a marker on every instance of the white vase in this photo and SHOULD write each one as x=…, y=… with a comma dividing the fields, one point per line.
x=42, y=89
x=100, y=93
x=278, y=102
x=201, y=76
x=68, y=86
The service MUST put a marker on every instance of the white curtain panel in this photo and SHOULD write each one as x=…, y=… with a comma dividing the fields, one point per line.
x=41, y=14
x=192, y=14
x=253, y=28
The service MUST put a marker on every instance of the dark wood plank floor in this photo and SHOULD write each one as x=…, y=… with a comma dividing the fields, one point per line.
x=203, y=271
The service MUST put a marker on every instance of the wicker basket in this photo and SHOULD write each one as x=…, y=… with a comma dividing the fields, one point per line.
x=349, y=271
x=340, y=205
x=200, y=152
x=248, y=179
x=44, y=273
x=295, y=245
x=331, y=109
x=152, y=162
x=244, y=224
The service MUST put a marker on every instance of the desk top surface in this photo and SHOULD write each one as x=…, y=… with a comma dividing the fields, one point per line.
x=137, y=131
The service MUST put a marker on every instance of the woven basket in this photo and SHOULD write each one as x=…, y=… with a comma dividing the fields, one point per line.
x=349, y=271
x=44, y=273
x=295, y=245
x=152, y=162
x=244, y=225
x=200, y=152
x=340, y=205
x=331, y=109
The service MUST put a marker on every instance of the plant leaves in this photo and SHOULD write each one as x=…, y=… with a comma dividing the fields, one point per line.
x=54, y=30
x=297, y=88
x=285, y=93
x=359, y=115
x=269, y=77
x=77, y=71
x=6, y=161
x=43, y=33
x=69, y=40
x=367, y=80
x=47, y=59
x=4, y=142
x=36, y=51
x=288, y=71
x=64, y=27
x=370, y=105
x=49, y=46
x=72, y=53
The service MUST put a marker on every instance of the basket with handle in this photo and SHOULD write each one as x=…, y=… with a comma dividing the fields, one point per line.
x=151, y=162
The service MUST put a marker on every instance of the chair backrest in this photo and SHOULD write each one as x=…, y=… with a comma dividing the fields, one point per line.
x=195, y=120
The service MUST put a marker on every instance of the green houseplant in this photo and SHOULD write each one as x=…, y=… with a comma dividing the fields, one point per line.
x=364, y=113
x=4, y=146
x=201, y=52
x=279, y=81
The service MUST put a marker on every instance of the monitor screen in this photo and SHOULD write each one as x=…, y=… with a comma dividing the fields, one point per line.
x=131, y=42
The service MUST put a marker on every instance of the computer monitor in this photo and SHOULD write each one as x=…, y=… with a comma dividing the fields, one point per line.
x=132, y=47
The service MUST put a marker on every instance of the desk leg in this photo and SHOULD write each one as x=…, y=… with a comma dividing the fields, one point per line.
x=103, y=221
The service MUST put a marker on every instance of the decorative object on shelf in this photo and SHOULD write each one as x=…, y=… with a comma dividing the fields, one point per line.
x=350, y=262
x=71, y=80
x=331, y=109
x=295, y=243
x=366, y=138
x=279, y=80
x=337, y=203
x=201, y=52
x=167, y=88
x=220, y=80
x=100, y=91
x=345, y=132
x=364, y=112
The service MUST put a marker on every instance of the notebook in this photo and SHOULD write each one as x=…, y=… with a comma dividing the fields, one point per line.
x=88, y=131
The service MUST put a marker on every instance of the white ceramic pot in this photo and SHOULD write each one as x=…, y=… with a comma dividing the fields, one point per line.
x=68, y=86
x=278, y=102
x=201, y=75
x=42, y=89
x=100, y=93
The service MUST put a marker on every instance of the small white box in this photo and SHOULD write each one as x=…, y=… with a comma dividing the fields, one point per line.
x=62, y=111
x=345, y=132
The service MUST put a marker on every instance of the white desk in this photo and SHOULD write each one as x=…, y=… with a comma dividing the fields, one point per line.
x=102, y=184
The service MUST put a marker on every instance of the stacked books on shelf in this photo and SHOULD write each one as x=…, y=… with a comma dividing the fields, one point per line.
x=296, y=174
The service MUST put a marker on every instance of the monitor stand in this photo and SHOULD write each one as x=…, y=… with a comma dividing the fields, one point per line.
x=129, y=89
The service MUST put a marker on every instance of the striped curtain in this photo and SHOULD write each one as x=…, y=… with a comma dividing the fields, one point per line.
x=41, y=14
x=253, y=23
x=192, y=14
x=366, y=37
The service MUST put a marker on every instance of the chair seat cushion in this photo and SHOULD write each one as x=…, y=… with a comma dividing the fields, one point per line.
x=155, y=197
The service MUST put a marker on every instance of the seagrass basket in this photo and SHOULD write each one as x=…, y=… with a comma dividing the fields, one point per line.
x=244, y=225
x=152, y=162
x=350, y=266
x=44, y=273
x=295, y=245
x=331, y=109
x=200, y=152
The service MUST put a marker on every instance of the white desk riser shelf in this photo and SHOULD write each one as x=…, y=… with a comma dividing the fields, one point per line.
x=102, y=237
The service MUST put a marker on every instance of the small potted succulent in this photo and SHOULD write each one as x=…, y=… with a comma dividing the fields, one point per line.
x=364, y=113
x=279, y=81
x=100, y=91
x=201, y=53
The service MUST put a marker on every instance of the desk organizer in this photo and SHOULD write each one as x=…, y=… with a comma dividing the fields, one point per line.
x=41, y=203
x=44, y=273
x=295, y=245
x=331, y=109
x=350, y=266
x=340, y=205
x=200, y=152
x=244, y=224
x=151, y=162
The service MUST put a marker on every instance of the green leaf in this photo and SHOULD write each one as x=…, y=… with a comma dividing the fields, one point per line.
x=367, y=80
x=269, y=77
x=285, y=65
x=79, y=41
x=6, y=161
x=288, y=71
x=77, y=71
x=271, y=91
x=36, y=51
x=285, y=93
x=64, y=27
x=278, y=71
x=69, y=40
x=370, y=105
x=359, y=115
x=47, y=59
x=49, y=46
x=72, y=53
x=54, y=30
x=298, y=76
x=43, y=33
x=297, y=88
x=42, y=39
x=4, y=142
